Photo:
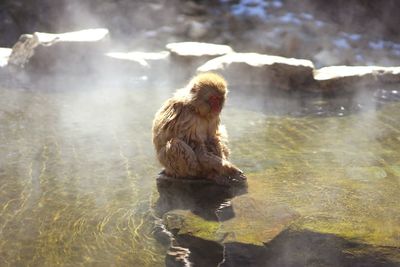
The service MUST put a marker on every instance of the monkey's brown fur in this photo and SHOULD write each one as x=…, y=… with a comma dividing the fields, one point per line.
x=187, y=135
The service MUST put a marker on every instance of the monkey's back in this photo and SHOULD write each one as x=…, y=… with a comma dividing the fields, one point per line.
x=165, y=124
x=178, y=119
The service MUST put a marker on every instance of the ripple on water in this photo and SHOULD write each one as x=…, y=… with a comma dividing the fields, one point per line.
x=78, y=172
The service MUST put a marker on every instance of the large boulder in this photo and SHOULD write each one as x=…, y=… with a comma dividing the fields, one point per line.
x=253, y=68
x=187, y=56
x=353, y=77
x=71, y=52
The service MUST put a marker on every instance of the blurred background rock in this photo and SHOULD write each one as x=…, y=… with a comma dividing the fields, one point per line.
x=351, y=32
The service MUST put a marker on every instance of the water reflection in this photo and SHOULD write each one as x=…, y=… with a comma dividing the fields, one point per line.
x=72, y=173
x=204, y=198
x=78, y=172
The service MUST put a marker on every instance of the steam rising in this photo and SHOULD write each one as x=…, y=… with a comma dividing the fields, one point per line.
x=84, y=143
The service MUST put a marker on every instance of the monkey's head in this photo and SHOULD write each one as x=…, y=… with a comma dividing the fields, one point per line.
x=208, y=93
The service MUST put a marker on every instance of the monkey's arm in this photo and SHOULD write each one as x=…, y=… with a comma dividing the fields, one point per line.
x=218, y=148
x=218, y=144
x=212, y=162
x=218, y=169
x=178, y=159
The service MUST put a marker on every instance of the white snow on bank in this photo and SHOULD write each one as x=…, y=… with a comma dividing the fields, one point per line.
x=4, y=54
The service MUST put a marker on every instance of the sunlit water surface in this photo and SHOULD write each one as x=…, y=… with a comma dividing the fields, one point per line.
x=77, y=170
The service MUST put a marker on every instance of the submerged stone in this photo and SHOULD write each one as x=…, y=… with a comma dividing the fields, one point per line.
x=201, y=196
x=244, y=219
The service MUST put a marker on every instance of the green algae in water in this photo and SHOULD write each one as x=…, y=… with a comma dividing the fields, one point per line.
x=77, y=168
x=341, y=174
x=74, y=178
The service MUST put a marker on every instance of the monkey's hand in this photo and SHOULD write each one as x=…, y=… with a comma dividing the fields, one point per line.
x=239, y=179
x=235, y=174
x=220, y=170
x=210, y=161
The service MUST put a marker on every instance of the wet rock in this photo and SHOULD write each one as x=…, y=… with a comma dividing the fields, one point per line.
x=188, y=194
x=353, y=77
x=253, y=68
x=76, y=52
x=289, y=249
x=23, y=50
x=263, y=221
x=244, y=219
x=187, y=56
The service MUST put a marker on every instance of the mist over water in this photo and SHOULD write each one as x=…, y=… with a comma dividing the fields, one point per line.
x=78, y=169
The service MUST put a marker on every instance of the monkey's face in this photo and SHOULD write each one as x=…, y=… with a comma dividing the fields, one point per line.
x=212, y=102
x=215, y=102
x=209, y=102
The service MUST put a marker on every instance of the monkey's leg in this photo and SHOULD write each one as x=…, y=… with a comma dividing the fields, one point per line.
x=218, y=148
x=179, y=159
x=212, y=162
x=217, y=168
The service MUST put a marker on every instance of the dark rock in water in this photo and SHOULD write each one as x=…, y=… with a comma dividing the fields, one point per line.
x=243, y=219
x=195, y=251
x=231, y=182
x=303, y=248
x=234, y=240
x=203, y=197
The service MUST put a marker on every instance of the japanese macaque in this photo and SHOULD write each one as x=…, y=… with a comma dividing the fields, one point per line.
x=188, y=137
